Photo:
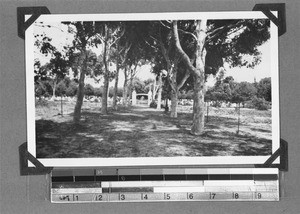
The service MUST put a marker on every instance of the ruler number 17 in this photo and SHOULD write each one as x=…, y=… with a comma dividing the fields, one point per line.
x=212, y=195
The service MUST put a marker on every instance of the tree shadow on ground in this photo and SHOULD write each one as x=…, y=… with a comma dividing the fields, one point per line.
x=142, y=132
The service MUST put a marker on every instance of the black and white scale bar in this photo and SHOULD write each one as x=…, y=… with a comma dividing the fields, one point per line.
x=168, y=196
x=148, y=185
x=97, y=175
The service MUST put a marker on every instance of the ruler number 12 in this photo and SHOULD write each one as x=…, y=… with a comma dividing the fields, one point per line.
x=99, y=197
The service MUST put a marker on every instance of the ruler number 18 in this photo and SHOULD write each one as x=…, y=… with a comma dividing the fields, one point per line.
x=235, y=195
x=258, y=195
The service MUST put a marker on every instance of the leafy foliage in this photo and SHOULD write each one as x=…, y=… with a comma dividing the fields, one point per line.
x=260, y=103
x=89, y=90
x=243, y=92
x=264, y=89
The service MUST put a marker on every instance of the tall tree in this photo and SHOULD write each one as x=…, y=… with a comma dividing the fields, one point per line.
x=216, y=42
x=166, y=58
x=84, y=33
x=59, y=68
x=108, y=34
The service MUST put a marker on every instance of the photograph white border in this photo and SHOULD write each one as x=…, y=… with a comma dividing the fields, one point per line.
x=150, y=161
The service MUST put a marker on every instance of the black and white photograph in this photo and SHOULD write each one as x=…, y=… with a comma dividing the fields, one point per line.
x=152, y=89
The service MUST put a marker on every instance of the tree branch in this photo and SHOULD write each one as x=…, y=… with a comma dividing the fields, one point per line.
x=164, y=51
x=186, y=76
x=165, y=25
x=216, y=32
x=171, y=82
x=181, y=52
x=180, y=30
x=188, y=33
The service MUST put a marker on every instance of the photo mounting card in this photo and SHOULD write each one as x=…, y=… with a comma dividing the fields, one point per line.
x=152, y=89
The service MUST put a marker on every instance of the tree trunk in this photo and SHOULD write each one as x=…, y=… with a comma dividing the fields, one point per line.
x=159, y=92
x=159, y=98
x=116, y=87
x=199, y=80
x=105, y=95
x=154, y=90
x=174, y=91
x=207, y=111
x=80, y=93
x=130, y=86
x=198, y=107
x=106, y=76
x=54, y=88
x=125, y=88
x=174, y=103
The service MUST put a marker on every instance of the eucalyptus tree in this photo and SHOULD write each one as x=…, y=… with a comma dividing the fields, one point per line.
x=82, y=59
x=216, y=42
x=106, y=36
x=160, y=44
x=120, y=54
x=133, y=53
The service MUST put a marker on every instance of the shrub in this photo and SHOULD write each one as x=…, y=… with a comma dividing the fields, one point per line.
x=260, y=104
x=153, y=104
x=41, y=103
x=216, y=104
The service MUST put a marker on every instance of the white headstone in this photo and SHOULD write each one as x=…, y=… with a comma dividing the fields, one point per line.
x=134, y=98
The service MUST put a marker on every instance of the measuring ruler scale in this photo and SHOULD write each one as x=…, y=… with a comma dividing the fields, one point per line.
x=142, y=185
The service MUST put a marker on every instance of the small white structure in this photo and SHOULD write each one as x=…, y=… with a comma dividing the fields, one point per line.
x=134, y=98
x=134, y=94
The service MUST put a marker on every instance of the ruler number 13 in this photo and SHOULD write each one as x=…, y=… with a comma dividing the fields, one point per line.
x=122, y=197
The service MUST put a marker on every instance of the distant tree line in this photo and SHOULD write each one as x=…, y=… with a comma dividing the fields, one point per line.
x=68, y=87
x=257, y=94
